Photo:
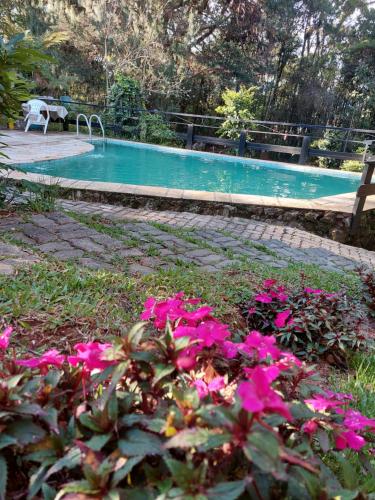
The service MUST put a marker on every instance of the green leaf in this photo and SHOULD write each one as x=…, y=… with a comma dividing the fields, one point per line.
x=96, y=443
x=135, y=334
x=123, y=471
x=36, y=481
x=139, y=442
x=88, y=421
x=69, y=461
x=182, y=473
x=226, y=491
x=162, y=371
x=3, y=477
x=116, y=377
x=6, y=440
x=26, y=432
x=48, y=492
x=189, y=438
x=76, y=487
x=12, y=382
x=323, y=440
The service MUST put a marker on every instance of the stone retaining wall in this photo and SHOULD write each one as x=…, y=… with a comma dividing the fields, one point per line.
x=334, y=225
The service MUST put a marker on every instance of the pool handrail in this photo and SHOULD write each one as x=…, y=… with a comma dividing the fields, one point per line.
x=100, y=123
x=87, y=122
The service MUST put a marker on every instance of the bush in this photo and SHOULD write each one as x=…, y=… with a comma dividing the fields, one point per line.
x=238, y=109
x=313, y=323
x=126, y=97
x=352, y=166
x=368, y=287
x=152, y=128
x=179, y=408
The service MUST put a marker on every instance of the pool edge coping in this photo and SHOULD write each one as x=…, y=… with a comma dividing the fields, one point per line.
x=330, y=203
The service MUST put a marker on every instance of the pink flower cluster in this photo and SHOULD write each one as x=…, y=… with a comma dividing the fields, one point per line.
x=346, y=433
x=256, y=391
x=90, y=356
x=205, y=331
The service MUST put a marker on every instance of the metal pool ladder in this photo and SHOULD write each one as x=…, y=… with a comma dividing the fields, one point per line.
x=88, y=123
x=100, y=123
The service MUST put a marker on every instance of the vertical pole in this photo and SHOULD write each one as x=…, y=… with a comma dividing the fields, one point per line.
x=242, y=143
x=304, y=155
x=360, y=201
x=190, y=136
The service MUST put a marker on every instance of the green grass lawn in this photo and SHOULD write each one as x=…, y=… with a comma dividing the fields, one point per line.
x=56, y=297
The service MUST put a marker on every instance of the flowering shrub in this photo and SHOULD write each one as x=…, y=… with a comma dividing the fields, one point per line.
x=368, y=281
x=177, y=408
x=310, y=321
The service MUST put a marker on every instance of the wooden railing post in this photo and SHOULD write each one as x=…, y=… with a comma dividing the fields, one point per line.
x=304, y=155
x=242, y=143
x=190, y=136
x=364, y=190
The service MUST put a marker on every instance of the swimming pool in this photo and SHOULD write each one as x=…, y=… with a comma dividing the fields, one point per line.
x=149, y=165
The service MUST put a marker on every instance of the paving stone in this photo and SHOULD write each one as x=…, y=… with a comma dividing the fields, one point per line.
x=22, y=237
x=6, y=269
x=107, y=241
x=183, y=259
x=150, y=262
x=9, y=249
x=37, y=233
x=208, y=269
x=139, y=269
x=130, y=252
x=225, y=263
x=95, y=264
x=54, y=246
x=200, y=252
x=88, y=246
x=43, y=221
x=211, y=259
x=68, y=254
x=60, y=218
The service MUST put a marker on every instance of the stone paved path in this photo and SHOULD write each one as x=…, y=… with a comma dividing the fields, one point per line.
x=142, y=241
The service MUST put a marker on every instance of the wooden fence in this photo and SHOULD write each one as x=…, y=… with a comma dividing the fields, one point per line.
x=365, y=189
x=191, y=129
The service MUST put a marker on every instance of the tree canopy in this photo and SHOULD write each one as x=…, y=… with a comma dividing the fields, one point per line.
x=310, y=60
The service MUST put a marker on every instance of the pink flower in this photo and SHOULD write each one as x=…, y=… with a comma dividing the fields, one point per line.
x=91, y=355
x=264, y=298
x=271, y=372
x=207, y=333
x=280, y=295
x=230, y=349
x=349, y=439
x=49, y=358
x=321, y=403
x=313, y=291
x=258, y=396
x=341, y=396
x=194, y=317
x=185, y=362
x=310, y=427
x=163, y=311
x=287, y=360
x=263, y=345
x=204, y=389
x=355, y=421
x=5, y=337
x=269, y=283
x=281, y=318
x=251, y=311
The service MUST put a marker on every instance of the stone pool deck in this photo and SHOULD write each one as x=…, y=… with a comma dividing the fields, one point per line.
x=34, y=146
x=133, y=241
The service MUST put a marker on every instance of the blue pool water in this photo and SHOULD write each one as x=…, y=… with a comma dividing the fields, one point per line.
x=147, y=165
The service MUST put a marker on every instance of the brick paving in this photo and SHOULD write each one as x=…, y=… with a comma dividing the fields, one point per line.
x=145, y=241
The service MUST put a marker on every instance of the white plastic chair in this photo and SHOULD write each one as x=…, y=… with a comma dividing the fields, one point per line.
x=35, y=115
